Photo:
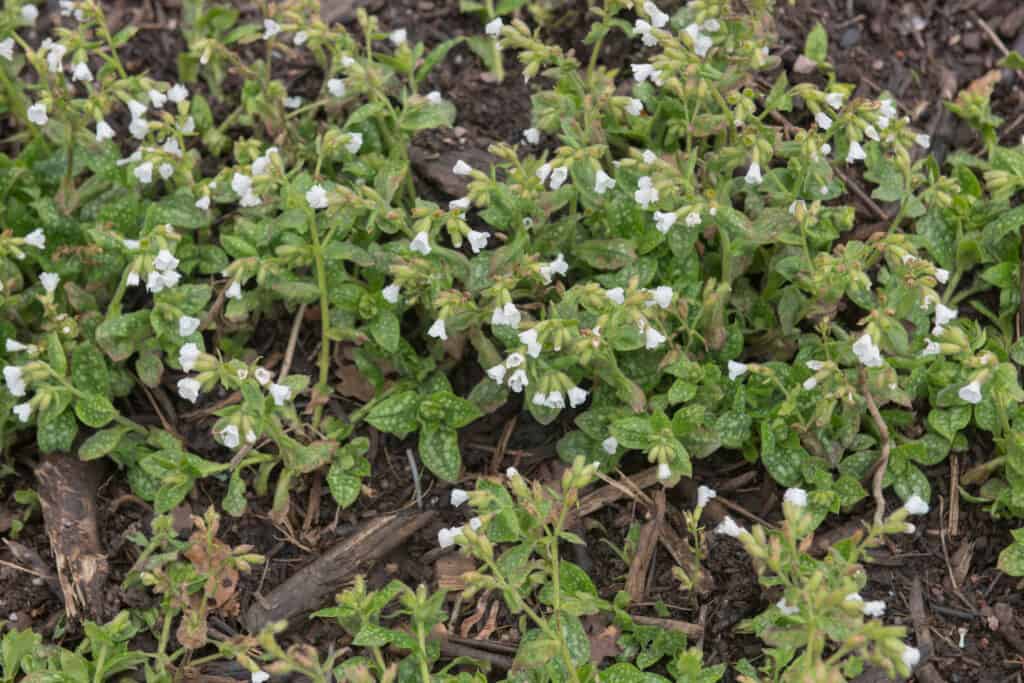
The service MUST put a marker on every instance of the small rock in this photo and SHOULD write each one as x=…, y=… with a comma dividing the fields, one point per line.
x=850, y=37
x=972, y=40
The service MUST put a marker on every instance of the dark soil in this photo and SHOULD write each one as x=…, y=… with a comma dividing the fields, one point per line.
x=921, y=52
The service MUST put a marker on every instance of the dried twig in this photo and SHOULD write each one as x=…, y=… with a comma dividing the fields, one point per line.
x=883, y=458
x=636, y=582
x=293, y=338
x=415, y=477
x=992, y=35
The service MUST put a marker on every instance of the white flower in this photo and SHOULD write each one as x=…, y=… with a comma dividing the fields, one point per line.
x=54, y=56
x=497, y=373
x=531, y=136
x=823, y=120
x=263, y=376
x=616, y=295
x=203, y=203
x=477, y=240
x=835, y=100
x=729, y=527
x=867, y=353
x=189, y=126
x=188, y=389
x=259, y=677
x=445, y=538
x=7, y=49
x=736, y=369
x=316, y=197
x=916, y=505
x=158, y=281
x=14, y=346
x=81, y=72
x=165, y=170
x=262, y=163
x=281, y=393
x=693, y=219
x=970, y=392
x=641, y=72
x=646, y=194
x=658, y=18
x=931, y=348
x=518, y=380
x=178, y=93
x=664, y=472
x=23, y=411
x=942, y=275
x=511, y=472
x=390, y=293
x=133, y=279
x=14, y=380
x=241, y=184
x=434, y=97
x=29, y=13
x=514, y=360
x=165, y=260
x=577, y=397
x=270, y=29
x=157, y=98
x=420, y=243
x=507, y=315
x=234, y=291
x=493, y=27
x=462, y=168
x=144, y=172
x=922, y=140
x=704, y=495
x=558, y=177
x=909, y=528
x=643, y=29
x=873, y=608
x=543, y=172
x=856, y=153
x=355, y=143
x=785, y=608
x=943, y=316
x=610, y=445
x=649, y=157
x=36, y=238
x=635, y=107
x=437, y=330
x=293, y=102
x=37, y=114
x=49, y=281
x=810, y=383
x=652, y=338
x=854, y=597
x=188, y=354
x=458, y=497
x=825, y=149
x=249, y=200
x=104, y=131
x=554, y=400
x=603, y=182
x=753, y=176
x=300, y=38
x=664, y=220
x=661, y=296
x=336, y=86
x=796, y=496
x=398, y=37
x=911, y=656
x=187, y=325
x=138, y=128
x=533, y=347
x=887, y=109
x=475, y=523
x=229, y=436
x=872, y=134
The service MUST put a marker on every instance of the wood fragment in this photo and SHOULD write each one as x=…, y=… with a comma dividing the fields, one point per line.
x=925, y=670
x=67, y=494
x=636, y=581
x=307, y=589
x=449, y=570
x=451, y=649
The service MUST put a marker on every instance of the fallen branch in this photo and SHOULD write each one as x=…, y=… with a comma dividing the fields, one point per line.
x=67, y=494
x=307, y=589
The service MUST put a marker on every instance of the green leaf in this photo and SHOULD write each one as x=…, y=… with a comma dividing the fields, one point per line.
x=55, y=354
x=373, y=635
x=1014, y=60
x=611, y=254
x=396, y=414
x=422, y=115
x=816, y=47
x=439, y=451
x=1011, y=560
x=179, y=210
x=57, y=432
x=344, y=487
x=633, y=432
x=89, y=370
x=101, y=443
x=94, y=410
x=385, y=330
x=949, y=421
x=234, y=502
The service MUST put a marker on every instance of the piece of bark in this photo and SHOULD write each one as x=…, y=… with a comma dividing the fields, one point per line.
x=636, y=581
x=451, y=649
x=307, y=588
x=450, y=569
x=925, y=671
x=693, y=631
x=437, y=167
x=67, y=494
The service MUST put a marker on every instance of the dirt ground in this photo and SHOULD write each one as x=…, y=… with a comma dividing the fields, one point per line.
x=920, y=52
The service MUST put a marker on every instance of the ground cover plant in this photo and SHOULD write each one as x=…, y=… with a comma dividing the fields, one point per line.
x=230, y=292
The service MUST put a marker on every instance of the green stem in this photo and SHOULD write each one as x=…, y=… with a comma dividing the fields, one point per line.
x=325, y=325
x=421, y=655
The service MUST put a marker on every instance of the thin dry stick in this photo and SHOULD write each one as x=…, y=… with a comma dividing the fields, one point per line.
x=289, y=351
x=23, y=569
x=883, y=459
x=415, y=477
x=864, y=196
x=996, y=40
x=954, y=495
